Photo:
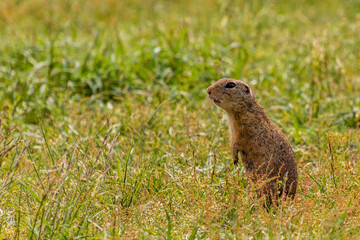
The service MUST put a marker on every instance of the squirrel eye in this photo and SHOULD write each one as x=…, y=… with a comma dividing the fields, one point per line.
x=230, y=85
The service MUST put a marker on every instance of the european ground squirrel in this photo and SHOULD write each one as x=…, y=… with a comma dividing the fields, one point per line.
x=265, y=151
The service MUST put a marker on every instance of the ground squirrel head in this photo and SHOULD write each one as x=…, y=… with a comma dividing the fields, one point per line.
x=232, y=95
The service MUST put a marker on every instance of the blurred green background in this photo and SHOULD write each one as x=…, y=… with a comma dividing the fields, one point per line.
x=294, y=53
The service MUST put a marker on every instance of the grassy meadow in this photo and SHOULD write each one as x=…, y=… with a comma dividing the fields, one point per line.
x=106, y=131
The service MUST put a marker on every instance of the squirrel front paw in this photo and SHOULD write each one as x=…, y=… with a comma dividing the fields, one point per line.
x=236, y=162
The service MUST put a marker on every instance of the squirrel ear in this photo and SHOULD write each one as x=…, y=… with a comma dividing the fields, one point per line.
x=247, y=90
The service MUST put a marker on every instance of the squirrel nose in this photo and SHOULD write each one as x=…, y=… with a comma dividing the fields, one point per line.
x=208, y=91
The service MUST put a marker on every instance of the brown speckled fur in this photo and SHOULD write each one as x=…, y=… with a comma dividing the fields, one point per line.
x=265, y=151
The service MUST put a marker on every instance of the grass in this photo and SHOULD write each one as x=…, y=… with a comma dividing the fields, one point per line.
x=106, y=131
